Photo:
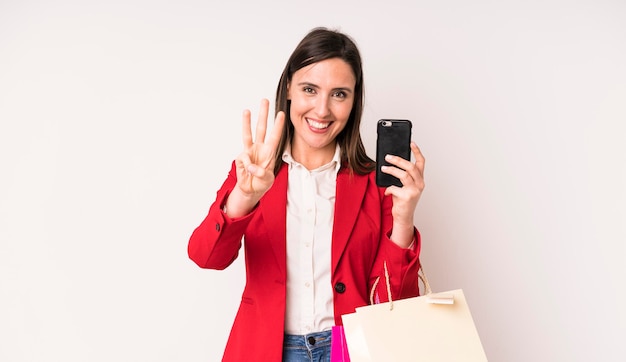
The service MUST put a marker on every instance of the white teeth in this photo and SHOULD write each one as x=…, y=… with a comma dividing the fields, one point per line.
x=317, y=125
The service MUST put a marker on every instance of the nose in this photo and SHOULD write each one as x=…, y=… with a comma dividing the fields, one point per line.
x=322, y=108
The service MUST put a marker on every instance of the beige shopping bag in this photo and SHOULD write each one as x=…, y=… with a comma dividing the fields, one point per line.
x=436, y=327
x=355, y=338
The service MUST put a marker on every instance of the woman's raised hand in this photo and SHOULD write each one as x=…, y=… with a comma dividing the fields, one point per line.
x=405, y=198
x=255, y=165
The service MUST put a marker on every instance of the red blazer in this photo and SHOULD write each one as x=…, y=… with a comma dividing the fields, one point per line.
x=360, y=245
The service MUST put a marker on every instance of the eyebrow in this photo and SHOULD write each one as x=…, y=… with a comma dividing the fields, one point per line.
x=308, y=84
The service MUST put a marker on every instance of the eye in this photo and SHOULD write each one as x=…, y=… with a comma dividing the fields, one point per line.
x=308, y=90
x=340, y=94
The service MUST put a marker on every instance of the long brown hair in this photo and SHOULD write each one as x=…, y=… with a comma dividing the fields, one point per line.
x=321, y=44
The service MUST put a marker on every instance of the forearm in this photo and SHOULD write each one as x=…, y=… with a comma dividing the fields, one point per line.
x=402, y=265
x=403, y=235
x=216, y=241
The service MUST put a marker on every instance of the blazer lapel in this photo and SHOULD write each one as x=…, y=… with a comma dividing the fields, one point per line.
x=348, y=200
x=275, y=215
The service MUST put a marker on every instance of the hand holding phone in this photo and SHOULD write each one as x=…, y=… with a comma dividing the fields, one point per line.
x=393, y=138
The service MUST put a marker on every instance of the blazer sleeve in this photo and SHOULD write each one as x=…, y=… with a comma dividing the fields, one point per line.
x=402, y=264
x=216, y=242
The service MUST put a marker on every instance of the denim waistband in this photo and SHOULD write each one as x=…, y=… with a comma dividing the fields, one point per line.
x=316, y=339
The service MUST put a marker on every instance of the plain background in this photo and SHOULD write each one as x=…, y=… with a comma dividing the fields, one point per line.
x=119, y=120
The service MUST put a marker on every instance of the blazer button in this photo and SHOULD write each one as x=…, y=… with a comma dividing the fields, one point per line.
x=217, y=227
x=340, y=287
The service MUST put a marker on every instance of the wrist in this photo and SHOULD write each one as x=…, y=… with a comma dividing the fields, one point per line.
x=239, y=204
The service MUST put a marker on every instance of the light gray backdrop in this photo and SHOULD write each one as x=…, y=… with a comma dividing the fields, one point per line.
x=119, y=120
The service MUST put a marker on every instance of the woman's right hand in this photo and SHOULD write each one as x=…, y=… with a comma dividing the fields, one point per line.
x=255, y=165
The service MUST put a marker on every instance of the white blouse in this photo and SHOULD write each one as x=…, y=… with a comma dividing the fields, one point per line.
x=310, y=212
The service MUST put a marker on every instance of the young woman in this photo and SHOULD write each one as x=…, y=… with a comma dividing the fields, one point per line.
x=317, y=229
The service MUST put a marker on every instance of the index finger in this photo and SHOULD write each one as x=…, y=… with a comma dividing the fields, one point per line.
x=419, y=157
x=277, y=131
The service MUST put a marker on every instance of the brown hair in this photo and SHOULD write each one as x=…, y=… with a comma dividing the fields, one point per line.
x=321, y=44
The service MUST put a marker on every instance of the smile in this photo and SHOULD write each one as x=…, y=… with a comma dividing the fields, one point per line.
x=318, y=125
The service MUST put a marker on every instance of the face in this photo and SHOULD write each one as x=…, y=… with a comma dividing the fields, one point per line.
x=322, y=95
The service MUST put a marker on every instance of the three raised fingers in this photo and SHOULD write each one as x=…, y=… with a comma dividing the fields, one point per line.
x=261, y=127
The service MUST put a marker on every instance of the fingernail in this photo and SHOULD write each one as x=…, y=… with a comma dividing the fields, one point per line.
x=251, y=169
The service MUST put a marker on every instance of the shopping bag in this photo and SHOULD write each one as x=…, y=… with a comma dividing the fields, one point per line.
x=355, y=338
x=436, y=327
x=338, y=346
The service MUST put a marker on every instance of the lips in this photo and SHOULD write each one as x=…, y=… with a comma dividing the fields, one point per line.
x=317, y=125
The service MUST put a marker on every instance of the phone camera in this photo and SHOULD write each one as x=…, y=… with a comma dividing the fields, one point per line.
x=386, y=123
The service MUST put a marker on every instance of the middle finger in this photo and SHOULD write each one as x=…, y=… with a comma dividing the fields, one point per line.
x=261, y=125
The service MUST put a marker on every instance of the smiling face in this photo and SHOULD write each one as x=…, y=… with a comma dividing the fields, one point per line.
x=321, y=95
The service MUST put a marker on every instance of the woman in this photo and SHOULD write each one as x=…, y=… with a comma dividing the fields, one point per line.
x=317, y=228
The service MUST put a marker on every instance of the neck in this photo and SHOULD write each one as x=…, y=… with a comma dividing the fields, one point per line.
x=313, y=158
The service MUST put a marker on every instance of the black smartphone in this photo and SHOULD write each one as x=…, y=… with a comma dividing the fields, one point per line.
x=393, y=138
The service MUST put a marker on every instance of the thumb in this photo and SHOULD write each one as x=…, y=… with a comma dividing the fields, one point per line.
x=253, y=170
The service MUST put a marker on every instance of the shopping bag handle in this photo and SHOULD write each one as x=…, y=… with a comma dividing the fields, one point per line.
x=420, y=274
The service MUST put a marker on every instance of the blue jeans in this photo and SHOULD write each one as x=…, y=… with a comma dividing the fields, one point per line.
x=313, y=347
